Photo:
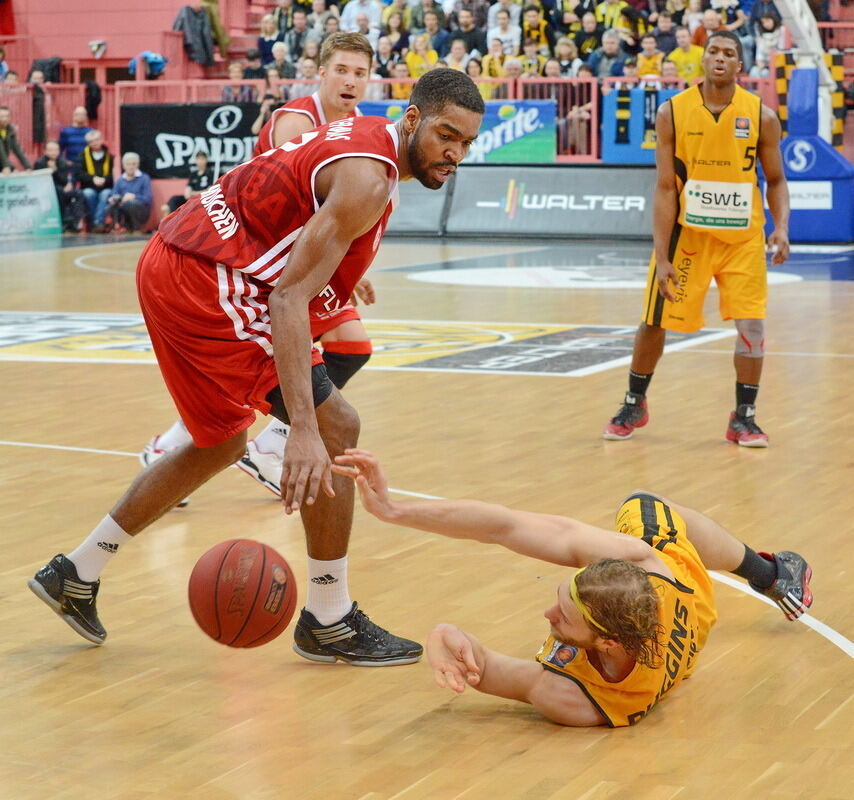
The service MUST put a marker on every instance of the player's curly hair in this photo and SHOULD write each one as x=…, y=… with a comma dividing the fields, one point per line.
x=621, y=599
x=350, y=42
x=442, y=87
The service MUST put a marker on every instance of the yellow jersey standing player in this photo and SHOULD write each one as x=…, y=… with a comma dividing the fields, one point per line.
x=626, y=628
x=709, y=223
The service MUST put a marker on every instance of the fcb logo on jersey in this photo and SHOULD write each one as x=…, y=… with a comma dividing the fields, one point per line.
x=742, y=127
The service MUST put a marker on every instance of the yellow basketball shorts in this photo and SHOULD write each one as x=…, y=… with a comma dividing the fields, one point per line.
x=739, y=272
x=646, y=517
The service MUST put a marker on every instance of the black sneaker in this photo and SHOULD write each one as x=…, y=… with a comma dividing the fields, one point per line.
x=354, y=639
x=59, y=586
x=632, y=414
x=791, y=589
x=743, y=430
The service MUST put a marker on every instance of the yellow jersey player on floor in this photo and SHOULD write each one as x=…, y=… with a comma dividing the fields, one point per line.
x=709, y=223
x=626, y=628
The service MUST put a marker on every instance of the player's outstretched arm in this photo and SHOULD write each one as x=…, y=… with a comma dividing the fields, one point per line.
x=458, y=660
x=354, y=193
x=778, y=190
x=560, y=540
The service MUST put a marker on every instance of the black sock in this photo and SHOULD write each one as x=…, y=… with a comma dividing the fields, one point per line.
x=638, y=384
x=745, y=394
x=760, y=572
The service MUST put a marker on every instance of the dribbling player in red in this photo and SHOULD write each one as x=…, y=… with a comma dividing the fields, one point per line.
x=226, y=287
x=345, y=66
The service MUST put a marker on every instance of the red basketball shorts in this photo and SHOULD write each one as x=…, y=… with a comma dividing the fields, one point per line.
x=215, y=378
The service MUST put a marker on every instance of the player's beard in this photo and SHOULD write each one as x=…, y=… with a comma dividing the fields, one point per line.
x=418, y=165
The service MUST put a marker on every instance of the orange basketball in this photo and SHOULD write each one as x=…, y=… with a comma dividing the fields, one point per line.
x=242, y=593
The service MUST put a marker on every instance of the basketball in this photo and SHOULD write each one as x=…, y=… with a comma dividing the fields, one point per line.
x=242, y=593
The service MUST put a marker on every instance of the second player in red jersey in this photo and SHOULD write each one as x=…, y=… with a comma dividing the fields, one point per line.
x=226, y=287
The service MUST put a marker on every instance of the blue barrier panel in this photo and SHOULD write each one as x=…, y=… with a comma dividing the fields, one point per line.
x=821, y=180
x=631, y=139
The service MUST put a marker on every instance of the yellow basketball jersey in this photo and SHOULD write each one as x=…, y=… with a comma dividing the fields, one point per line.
x=686, y=614
x=715, y=162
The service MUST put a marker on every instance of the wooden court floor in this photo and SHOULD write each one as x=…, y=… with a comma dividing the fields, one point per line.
x=162, y=712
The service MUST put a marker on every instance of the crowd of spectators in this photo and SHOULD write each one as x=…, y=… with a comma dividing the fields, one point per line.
x=493, y=41
x=90, y=198
x=506, y=39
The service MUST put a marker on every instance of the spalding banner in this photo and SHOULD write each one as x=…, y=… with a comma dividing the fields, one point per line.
x=513, y=131
x=167, y=137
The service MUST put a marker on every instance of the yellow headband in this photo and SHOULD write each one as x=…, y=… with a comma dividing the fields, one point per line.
x=573, y=593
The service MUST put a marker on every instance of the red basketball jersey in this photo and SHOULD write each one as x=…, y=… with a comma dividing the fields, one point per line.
x=310, y=106
x=245, y=225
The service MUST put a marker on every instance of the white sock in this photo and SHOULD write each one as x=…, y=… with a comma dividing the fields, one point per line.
x=174, y=437
x=328, y=594
x=273, y=438
x=98, y=548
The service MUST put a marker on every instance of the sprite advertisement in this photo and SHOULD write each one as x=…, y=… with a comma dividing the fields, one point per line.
x=513, y=131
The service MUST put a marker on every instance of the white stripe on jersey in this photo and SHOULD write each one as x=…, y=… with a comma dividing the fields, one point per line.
x=255, y=268
x=319, y=108
x=276, y=266
x=230, y=303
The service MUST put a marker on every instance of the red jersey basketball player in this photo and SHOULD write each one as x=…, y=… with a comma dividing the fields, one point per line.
x=345, y=65
x=226, y=287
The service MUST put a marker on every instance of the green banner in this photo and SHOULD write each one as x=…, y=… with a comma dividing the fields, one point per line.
x=28, y=205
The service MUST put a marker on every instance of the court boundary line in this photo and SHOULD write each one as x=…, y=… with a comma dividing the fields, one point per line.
x=821, y=628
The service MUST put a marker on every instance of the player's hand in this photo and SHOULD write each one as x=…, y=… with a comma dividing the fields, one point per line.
x=306, y=469
x=778, y=244
x=363, y=291
x=451, y=658
x=665, y=274
x=364, y=468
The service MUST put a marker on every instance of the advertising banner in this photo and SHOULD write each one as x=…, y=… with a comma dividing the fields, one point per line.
x=571, y=201
x=28, y=205
x=167, y=137
x=513, y=131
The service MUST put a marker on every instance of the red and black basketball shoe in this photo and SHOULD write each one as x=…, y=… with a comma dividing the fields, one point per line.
x=791, y=588
x=632, y=414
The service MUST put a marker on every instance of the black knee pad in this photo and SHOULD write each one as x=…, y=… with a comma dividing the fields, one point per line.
x=342, y=366
x=321, y=388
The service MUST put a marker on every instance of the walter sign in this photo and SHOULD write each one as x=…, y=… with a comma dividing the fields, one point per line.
x=167, y=137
